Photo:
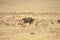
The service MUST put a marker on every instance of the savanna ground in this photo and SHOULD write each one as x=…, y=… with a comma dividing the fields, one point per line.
x=46, y=26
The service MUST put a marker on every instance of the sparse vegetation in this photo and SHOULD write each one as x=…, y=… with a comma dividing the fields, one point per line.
x=15, y=25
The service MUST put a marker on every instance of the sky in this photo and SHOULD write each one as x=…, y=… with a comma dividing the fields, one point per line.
x=29, y=5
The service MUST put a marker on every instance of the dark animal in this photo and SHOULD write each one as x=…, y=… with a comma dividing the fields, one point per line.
x=28, y=20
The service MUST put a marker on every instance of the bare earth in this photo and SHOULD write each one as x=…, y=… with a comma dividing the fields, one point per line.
x=46, y=26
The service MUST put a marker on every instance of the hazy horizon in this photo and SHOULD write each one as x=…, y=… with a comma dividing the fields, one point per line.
x=29, y=5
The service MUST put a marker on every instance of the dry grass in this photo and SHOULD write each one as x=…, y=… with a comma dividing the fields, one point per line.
x=44, y=27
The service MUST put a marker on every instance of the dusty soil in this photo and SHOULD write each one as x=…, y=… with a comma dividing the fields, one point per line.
x=46, y=26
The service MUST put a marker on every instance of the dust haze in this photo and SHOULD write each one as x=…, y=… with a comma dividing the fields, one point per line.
x=29, y=5
x=29, y=19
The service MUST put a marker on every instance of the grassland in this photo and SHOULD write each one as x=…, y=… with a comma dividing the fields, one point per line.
x=46, y=26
